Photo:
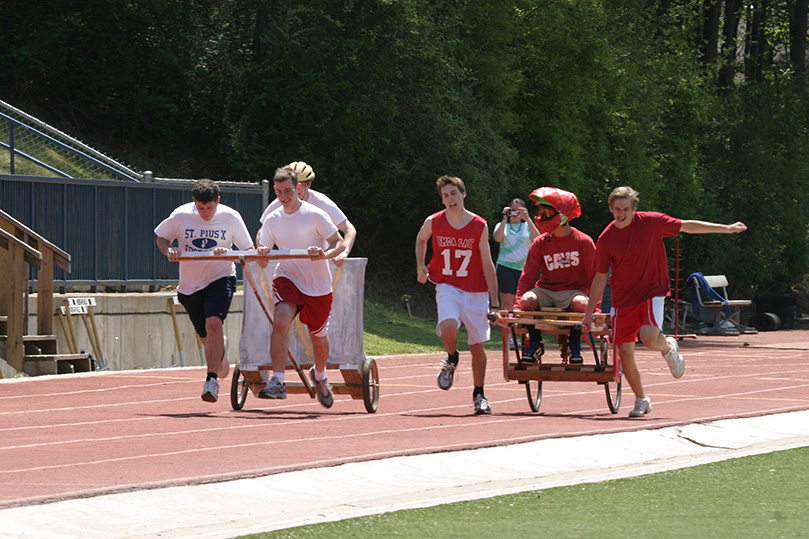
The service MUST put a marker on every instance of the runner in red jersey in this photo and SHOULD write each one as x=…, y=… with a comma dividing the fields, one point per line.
x=456, y=257
x=466, y=284
x=632, y=245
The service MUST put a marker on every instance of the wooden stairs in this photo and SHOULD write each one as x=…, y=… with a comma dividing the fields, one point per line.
x=34, y=355
x=40, y=355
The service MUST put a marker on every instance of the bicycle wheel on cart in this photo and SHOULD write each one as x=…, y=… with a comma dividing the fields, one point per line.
x=370, y=384
x=533, y=389
x=612, y=389
x=602, y=353
x=238, y=390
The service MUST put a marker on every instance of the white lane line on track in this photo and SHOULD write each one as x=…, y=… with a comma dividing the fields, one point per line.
x=88, y=391
x=262, y=424
x=93, y=406
x=477, y=422
x=78, y=424
x=364, y=457
x=549, y=391
x=502, y=385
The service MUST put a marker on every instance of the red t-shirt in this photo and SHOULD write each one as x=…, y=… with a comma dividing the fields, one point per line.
x=554, y=263
x=637, y=256
x=456, y=254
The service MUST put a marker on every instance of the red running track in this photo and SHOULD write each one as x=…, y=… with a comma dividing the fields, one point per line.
x=82, y=435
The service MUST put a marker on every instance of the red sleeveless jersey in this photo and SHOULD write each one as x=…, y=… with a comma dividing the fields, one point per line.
x=456, y=254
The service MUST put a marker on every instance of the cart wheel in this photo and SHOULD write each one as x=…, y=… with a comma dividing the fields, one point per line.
x=238, y=390
x=370, y=384
x=533, y=388
x=612, y=389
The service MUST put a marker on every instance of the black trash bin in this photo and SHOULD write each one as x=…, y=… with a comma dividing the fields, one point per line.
x=782, y=305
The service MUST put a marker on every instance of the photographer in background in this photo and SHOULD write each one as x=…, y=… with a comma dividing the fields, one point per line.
x=514, y=233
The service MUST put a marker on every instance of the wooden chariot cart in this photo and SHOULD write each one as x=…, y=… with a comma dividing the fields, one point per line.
x=601, y=364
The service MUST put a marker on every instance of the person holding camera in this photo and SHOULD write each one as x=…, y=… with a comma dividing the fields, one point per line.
x=514, y=233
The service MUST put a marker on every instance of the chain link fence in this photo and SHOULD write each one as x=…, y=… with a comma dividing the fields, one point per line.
x=34, y=148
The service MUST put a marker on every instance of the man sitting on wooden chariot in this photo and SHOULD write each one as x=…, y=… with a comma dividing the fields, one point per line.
x=559, y=268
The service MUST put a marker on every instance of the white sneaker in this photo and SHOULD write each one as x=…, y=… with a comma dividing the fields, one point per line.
x=642, y=407
x=674, y=359
x=210, y=391
x=274, y=390
x=482, y=405
x=446, y=375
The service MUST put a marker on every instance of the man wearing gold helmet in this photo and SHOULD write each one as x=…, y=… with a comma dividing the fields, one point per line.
x=305, y=177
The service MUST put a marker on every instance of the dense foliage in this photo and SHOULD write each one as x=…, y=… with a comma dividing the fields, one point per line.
x=383, y=96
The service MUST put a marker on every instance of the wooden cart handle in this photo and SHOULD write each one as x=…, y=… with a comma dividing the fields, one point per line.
x=245, y=256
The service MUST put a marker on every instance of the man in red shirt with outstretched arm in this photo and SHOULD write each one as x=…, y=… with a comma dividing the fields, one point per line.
x=632, y=245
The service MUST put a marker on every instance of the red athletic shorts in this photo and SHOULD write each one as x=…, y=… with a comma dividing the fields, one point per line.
x=314, y=310
x=627, y=321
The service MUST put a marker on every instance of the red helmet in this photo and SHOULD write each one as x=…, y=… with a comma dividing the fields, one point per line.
x=564, y=204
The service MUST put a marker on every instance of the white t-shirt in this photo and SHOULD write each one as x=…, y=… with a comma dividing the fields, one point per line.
x=317, y=199
x=193, y=233
x=308, y=226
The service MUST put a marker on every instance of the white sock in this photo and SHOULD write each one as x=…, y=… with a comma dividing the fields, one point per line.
x=279, y=375
x=319, y=375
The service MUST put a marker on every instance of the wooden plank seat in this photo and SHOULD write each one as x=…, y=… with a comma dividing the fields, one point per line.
x=553, y=321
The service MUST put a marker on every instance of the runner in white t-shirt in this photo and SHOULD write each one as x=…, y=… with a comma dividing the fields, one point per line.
x=300, y=285
x=205, y=287
x=305, y=177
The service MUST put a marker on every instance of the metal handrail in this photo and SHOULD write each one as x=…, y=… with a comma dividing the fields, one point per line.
x=109, y=162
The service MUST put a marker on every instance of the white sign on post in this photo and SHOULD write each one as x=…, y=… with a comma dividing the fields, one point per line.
x=81, y=302
x=79, y=305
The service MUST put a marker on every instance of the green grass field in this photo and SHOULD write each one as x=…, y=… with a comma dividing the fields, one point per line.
x=389, y=330
x=758, y=496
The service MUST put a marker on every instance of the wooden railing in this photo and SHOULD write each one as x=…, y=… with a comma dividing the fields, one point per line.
x=20, y=246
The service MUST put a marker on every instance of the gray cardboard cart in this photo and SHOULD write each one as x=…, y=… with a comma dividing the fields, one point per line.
x=359, y=373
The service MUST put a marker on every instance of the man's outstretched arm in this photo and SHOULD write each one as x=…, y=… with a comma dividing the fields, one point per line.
x=704, y=227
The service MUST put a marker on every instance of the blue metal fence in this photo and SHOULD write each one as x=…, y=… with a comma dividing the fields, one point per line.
x=108, y=226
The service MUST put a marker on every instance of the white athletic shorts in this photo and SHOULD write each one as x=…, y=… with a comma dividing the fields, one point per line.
x=469, y=308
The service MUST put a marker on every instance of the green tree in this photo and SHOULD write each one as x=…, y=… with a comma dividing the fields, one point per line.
x=383, y=97
x=611, y=97
x=759, y=175
x=380, y=98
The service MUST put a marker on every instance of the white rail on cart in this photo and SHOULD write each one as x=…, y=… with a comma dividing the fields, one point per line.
x=247, y=256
